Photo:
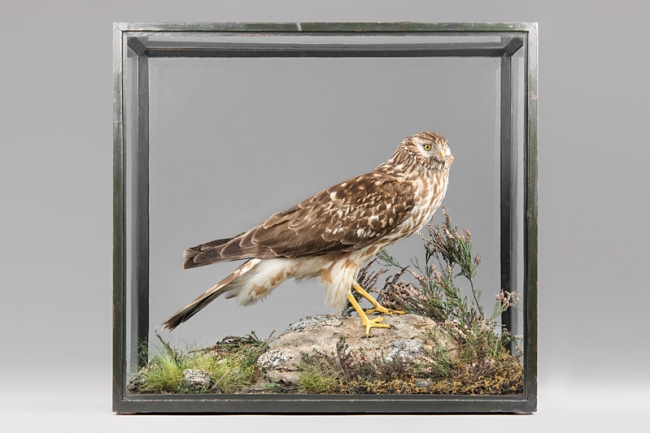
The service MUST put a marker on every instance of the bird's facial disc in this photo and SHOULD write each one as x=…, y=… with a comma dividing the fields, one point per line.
x=433, y=150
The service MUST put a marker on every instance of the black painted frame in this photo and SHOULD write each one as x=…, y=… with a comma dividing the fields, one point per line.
x=135, y=37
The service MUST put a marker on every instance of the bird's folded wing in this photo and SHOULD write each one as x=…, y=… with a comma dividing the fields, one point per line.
x=344, y=218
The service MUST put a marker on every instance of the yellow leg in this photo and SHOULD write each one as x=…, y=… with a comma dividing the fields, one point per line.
x=378, y=307
x=368, y=323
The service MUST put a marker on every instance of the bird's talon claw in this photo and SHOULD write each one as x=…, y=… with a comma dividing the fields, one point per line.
x=383, y=310
x=373, y=323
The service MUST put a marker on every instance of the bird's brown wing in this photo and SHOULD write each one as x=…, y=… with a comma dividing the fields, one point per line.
x=343, y=218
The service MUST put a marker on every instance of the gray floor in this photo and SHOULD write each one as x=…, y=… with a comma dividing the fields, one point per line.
x=561, y=409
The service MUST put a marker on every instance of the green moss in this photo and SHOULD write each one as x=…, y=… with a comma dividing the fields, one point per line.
x=313, y=380
x=231, y=365
x=162, y=375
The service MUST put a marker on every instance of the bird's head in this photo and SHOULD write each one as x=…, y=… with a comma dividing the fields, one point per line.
x=429, y=149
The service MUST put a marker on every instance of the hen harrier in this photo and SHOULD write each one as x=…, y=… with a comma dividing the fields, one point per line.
x=333, y=233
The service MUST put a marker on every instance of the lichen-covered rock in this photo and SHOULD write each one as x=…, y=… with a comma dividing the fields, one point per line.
x=196, y=378
x=310, y=322
x=272, y=359
x=410, y=338
x=405, y=350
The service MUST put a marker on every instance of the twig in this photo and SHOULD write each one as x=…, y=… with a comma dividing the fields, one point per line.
x=214, y=388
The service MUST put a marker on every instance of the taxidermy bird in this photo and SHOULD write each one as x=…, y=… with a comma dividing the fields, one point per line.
x=332, y=234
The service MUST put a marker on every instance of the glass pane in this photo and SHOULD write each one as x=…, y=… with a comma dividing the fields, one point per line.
x=234, y=140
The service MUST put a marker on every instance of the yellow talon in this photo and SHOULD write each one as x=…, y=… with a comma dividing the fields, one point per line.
x=372, y=323
x=384, y=310
x=365, y=321
x=378, y=307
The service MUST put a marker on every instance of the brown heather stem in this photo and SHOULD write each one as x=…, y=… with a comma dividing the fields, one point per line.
x=471, y=283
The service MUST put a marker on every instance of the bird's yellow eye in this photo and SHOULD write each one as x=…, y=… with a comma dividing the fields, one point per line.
x=427, y=146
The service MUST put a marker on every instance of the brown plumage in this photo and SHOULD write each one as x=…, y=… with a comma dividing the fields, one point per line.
x=331, y=234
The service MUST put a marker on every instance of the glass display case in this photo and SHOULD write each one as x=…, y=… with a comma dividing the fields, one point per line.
x=219, y=126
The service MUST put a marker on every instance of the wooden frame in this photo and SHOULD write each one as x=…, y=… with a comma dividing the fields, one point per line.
x=135, y=37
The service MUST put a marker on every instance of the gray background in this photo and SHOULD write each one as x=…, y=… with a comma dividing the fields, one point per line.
x=234, y=140
x=55, y=191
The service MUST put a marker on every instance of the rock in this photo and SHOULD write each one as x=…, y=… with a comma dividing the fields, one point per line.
x=405, y=350
x=272, y=359
x=313, y=321
x=196, y=378
x=410, y=338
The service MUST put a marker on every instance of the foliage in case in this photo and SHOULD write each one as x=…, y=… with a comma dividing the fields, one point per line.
x=448, y=255
x=484, y=364
x=231, y=365
x=350, y=371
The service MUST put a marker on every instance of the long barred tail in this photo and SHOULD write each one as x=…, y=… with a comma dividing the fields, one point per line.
x=199, y=303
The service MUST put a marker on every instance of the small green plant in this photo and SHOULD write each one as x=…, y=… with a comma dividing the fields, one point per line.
x=231, y=365
x=315, y=376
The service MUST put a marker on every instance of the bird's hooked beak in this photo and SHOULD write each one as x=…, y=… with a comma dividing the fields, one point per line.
x=442, y=157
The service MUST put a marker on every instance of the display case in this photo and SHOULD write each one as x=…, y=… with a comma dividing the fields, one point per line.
x=217, y=126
